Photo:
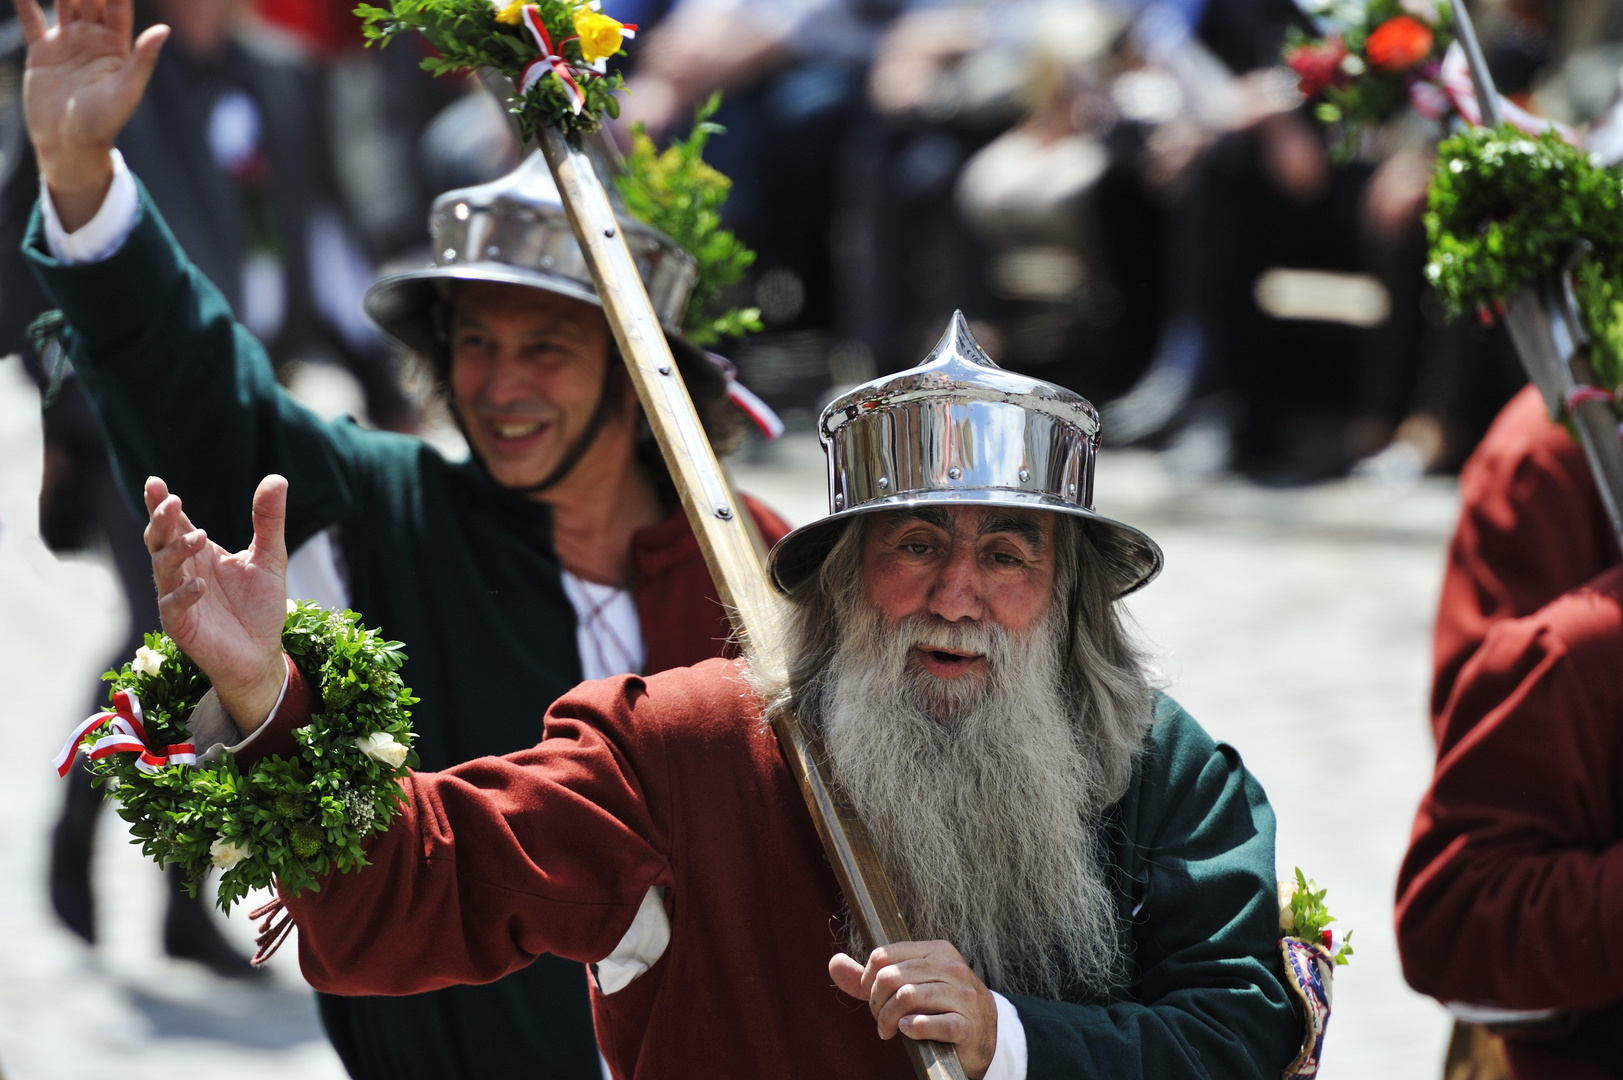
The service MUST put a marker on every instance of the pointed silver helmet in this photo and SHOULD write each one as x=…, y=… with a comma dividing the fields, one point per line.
x=960, y=430
x=514, y=230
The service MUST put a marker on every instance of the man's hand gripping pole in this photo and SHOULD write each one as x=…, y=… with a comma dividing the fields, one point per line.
x=720, y=523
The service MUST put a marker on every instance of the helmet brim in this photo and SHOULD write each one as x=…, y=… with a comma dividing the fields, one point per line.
x=403, y=305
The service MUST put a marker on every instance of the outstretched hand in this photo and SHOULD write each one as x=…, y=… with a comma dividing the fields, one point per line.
x=83, y=81
x=225, y=611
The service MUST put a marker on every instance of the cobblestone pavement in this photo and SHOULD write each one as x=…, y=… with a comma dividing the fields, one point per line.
x=1293, y=624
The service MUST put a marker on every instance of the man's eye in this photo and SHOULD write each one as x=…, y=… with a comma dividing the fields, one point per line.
x=1007, y=558
x=916, y=547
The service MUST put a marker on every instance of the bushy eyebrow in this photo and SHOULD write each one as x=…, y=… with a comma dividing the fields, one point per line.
x=930, y=515
x=1025, y=528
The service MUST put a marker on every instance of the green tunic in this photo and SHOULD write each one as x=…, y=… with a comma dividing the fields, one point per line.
x=435, y=555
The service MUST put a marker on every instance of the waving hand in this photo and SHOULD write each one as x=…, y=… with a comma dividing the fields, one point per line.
x=83, y=80
x=225, y=611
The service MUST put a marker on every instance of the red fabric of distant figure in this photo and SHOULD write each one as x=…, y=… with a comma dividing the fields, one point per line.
x=1512, y=891
x=328, y=25
x=1531, y=527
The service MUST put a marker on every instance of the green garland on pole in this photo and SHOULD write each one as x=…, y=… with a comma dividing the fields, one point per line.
x=1505, y=208
x=291, y=821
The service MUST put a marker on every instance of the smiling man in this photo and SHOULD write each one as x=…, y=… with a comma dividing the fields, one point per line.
x=557, y=552
x=1089, y=877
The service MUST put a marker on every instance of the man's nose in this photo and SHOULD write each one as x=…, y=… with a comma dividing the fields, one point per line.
x=505, y=379
x=957, y=592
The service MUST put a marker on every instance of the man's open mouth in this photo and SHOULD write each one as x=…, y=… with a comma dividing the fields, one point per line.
x=510, y=431
x=947, y=663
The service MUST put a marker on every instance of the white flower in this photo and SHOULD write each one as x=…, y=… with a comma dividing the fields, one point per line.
x=381, y=746
x=227, y=853
x=147, y=661
x=1424, y=10
x=292, y=605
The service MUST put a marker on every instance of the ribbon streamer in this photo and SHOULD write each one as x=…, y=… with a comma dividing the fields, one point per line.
x=548, y=61
x=552, y=60
x=1580, y=394
x=127, y=734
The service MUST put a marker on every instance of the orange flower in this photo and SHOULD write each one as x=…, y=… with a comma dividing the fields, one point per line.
x=1399, y=44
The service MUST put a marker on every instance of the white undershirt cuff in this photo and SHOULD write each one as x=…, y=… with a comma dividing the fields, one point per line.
x=1009, y=1059
x=103, y=235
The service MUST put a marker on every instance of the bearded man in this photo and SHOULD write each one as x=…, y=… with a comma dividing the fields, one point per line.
x=1090, y=877
x=557, y=552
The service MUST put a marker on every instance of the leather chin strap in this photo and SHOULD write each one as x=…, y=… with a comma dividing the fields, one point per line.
x=594, y=426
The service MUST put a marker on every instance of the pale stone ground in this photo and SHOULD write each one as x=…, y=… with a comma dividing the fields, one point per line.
x=1293, y=624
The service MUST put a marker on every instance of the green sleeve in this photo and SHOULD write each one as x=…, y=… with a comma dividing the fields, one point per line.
x=1207, y=999
x=185, y=393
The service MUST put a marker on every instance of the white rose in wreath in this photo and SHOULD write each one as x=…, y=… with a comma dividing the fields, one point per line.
x=228, y=853
x=147, y=661
x=381, y=746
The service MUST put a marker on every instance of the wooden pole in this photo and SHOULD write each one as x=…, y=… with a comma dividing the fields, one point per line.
x=722, y=526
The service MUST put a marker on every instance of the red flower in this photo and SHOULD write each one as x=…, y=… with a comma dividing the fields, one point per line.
x=1399, y=44
x=1317, y=66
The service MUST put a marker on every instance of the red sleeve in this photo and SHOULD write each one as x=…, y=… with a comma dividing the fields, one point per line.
x=501, y=859
x=1512, y=889
x=1531, y=527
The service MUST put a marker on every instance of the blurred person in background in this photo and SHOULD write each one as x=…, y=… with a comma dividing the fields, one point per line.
x=792, y=72
x=1045, y=161
x=557, y=551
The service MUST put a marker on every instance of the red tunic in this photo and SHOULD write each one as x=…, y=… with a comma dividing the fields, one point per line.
x=1512, y=891
x=1531, y=528
x=639, y=783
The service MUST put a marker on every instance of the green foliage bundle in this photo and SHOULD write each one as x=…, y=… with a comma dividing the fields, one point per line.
x=1309, y=920
x=679, y=194
x=470, y=34
x=1506, y=208
x=292, y=820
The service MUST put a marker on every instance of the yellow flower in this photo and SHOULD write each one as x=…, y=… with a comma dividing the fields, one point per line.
x=599, y=35
x=509, y=13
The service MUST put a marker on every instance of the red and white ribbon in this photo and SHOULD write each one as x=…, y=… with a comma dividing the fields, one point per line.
x=762, y=414
x=549, y=60
x=552, y=60
x=1580, y=394
x=127, y=733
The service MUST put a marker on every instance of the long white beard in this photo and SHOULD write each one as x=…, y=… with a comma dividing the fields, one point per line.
x=981, y=798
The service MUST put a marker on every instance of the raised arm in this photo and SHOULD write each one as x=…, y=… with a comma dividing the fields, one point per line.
x=182, y=391
x=489, y=865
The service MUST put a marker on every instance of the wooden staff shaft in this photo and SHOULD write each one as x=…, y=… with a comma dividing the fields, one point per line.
x=721, y=524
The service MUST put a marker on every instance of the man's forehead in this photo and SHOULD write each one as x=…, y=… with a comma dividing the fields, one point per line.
x=1031, y=525
x=480, y=300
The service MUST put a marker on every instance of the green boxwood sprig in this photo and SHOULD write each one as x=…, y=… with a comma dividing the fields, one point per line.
x=1307, y=918
x=680, y=194
x=1506, y=208
x=289, y=820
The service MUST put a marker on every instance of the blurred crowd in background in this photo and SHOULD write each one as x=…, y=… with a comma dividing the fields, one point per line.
x=1124, y=197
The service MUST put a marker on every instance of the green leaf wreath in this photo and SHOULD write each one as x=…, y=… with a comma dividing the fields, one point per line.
x=1306, y=918
x=474, y=34
x=1363, y=68
x=294, y=820
x=1505, y=208
x=677, y=193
